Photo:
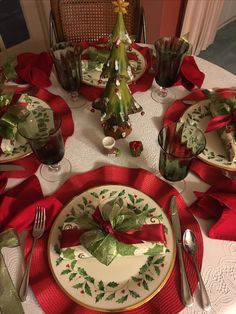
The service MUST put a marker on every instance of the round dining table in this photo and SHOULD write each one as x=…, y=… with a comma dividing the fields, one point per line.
x=85, y=152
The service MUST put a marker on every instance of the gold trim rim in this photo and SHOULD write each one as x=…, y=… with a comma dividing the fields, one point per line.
x=136, y=305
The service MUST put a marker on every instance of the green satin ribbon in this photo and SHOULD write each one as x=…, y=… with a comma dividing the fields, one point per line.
x=10, y=302
x=9, y=120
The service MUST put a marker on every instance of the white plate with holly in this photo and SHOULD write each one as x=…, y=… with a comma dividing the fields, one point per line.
x=127, y=282
x=214, y=154
x=91, y=76
x=12, y=150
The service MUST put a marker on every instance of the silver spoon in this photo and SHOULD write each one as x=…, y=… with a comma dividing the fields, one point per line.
x=190, y=246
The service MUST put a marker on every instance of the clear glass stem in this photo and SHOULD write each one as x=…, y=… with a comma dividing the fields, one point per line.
x=55, y=167
x=163, y=91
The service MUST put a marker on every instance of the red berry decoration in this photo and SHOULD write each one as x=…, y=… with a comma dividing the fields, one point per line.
x=136, y=148
x=142, y=113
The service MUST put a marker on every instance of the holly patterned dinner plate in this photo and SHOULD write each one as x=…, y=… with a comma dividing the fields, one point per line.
x=20, y=147
x=127, y=282
x=214, y=153
x=92, y=76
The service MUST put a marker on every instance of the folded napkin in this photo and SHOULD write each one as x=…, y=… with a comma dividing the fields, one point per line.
x=190, y=76
x=111, y=230
x=219, y=203
x=34, y=69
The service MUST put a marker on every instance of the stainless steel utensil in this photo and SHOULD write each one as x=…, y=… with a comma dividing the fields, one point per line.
x=186, y=294
x=38, y=230
x=10, y=167
x=190, y=245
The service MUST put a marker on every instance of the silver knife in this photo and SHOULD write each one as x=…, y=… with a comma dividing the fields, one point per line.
x=9, y=167
x=186, y=294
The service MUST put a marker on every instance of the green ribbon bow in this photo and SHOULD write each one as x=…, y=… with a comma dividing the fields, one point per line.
x=9, y=300
x=9, y=120
x=102, y=245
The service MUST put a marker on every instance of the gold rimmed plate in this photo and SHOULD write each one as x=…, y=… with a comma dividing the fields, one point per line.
x=214, y=153
x=92, y=76
x=20, y=147
x=127, y=282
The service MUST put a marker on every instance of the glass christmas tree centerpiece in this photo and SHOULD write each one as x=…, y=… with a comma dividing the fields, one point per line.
x=116, y=101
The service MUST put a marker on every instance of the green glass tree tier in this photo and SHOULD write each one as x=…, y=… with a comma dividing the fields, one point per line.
x=117, y=63
x=116, y=103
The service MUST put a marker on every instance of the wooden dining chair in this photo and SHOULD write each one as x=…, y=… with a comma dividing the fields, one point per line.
x=89, y=20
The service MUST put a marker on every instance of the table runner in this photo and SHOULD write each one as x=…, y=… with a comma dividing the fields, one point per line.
x=50, y=297
x=30, y=163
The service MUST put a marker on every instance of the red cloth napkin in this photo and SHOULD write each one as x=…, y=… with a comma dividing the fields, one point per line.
x=189, y=75
x=141, y=85
x=31, y=163
x=34, y=69
x=219, y=203
x=18, y=207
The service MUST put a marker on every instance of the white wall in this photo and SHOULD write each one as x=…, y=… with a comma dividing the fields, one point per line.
x=228, y=13
x=36, y=14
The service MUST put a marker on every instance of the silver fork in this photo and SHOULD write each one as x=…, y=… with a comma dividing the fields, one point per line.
x=38, y=230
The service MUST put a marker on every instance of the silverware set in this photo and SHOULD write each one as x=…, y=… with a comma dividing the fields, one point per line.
x=189, y=242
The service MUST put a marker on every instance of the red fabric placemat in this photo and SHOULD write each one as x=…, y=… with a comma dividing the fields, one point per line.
x=31, y=163
x=20, y=214
x=141, y=85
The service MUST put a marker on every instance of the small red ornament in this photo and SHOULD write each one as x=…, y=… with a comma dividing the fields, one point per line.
x=136, y=148
x=142, y=113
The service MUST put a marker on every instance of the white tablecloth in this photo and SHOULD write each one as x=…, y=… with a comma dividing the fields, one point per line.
x=85, y=152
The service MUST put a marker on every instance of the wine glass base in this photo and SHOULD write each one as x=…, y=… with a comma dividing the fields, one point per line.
x=53, y=174
x=180, y=186
x=74, y=99
x=168, y=99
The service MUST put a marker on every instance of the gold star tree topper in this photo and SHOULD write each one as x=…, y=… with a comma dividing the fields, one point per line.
x=120, y=6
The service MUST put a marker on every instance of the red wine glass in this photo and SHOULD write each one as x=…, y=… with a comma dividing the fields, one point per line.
x=41, y=128
x=170, y=52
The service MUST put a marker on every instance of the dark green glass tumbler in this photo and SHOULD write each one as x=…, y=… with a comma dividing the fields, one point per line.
x=180, y=143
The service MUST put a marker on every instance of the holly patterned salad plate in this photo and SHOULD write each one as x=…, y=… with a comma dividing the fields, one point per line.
x=19, y=148
x=214, y=153
x=92, y=76
x=127, y=282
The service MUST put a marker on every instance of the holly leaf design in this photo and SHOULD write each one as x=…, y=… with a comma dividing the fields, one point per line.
x=87, y=289
x=111, y=296
x=101, y=285
x=65, y=272
x=134, y=294
x=122, y=299
x=112, y=284
x=69, y=253
x=78, y=285
x=99, y=296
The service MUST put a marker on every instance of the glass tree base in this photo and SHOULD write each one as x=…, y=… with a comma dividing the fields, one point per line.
x=57, y=172
x=163, y=95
